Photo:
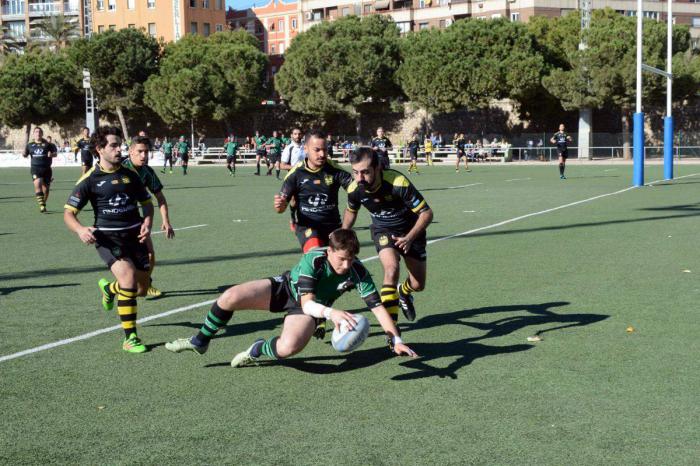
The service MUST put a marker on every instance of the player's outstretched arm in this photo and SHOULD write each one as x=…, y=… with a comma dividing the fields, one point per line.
x=398, y=346
x=318, y=310
x=165, y=215
x=349, y=218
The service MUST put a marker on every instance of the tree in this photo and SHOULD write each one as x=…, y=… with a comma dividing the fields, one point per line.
x=336, y=67
x=469, y=64
x=119, y=62
x=604, y=73
x=216, y=77
x=59, y=30
x=9, y=43
x=37, y=87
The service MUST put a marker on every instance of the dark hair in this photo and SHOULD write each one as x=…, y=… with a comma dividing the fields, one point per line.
x=99, y=137
x=315, y=133
x=85, y=127
x=142, y=140
x=364, y=153
x=344, y=240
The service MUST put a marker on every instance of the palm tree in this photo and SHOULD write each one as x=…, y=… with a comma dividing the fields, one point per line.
x=58, y=29
x=8, y=42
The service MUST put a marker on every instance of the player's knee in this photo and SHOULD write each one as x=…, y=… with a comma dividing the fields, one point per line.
x=418, y=285
x=287, y=347
x=391, y=274
x=230, y=299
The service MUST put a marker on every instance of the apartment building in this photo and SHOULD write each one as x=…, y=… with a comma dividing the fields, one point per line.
x=275, y=24
x=167, y=19
x=414, y=15
x=19, y=18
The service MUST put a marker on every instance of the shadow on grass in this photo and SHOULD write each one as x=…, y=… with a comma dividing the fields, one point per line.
x=462, y=352
x=199, y=292
x=12, y=289
x=234, y=329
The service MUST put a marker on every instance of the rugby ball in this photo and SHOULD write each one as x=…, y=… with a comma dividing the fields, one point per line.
x=345, y=340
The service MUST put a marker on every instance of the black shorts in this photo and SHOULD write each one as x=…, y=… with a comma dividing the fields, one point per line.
x=460, y=154
x=184, y=158
x=384, y=161
x=383, y=239
x=312, y=237
x=168, y=156
x=43, y=173
x=115, y=245
x=281, y=299
x=231, y=158
x=563, y=153
x=261, y=153
x=86, y=159
x=413, y=155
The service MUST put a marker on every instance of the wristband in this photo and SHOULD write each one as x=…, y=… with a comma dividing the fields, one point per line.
x=327, y=313
x=395, y=340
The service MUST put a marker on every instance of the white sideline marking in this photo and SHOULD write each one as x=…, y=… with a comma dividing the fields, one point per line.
x=610, y=170
x=519, y=179
x=463, y=186
x=178, y=229
x=469, y=211
x=85, y=336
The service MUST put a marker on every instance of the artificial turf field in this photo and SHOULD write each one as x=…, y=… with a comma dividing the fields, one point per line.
x=589, y=393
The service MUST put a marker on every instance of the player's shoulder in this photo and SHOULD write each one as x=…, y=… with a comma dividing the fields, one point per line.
x=352, y=188
x=315, y=257
x=334, y=166
x=359, y=268
x=395, y=178
x=85, y=177
x=295, y=170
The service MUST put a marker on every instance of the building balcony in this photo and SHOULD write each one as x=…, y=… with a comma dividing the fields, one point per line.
x=44, y=9
x=12, y=12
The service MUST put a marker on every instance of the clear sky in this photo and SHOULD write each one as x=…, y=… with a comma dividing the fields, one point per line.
x=243, y=4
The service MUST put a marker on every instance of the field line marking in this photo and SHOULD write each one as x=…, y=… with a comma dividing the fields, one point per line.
x=181, y=228
x=519, y=179
x=88, y=335
x=463, y=186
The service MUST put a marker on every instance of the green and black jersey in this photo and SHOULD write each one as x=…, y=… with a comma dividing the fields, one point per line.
x=148, y=176
x=231, y=148
x=183, y=149
x=394, y=205
x=40, y=152
x=276, y=144
x=314, y=274
x=114, y=195
x=260, y=143
x=382, y=144
x=167, y=148
x=316, y=192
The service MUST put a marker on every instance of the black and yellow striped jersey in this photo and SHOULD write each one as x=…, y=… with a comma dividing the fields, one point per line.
x=394, y=205
x=114, y=196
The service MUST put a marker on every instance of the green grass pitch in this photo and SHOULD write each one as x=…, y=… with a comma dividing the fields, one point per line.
x=589, y=393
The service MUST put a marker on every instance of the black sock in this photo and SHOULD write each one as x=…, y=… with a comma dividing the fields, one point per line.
x=278, y=173
x=216, y=319
x=256, y=350
x=561, y=169
x=258, y=167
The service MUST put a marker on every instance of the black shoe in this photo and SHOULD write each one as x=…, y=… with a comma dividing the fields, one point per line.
x=406, y=305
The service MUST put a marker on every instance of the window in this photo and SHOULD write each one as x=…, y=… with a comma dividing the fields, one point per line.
x=272, y=25
x=15, y=29
x=317, y=15
x=280, y=25
x=345, y=11
x=193, y=27
x=421, y=4
x=368, y=9
x=219, y=4
x=151, y=4
x=13, y=7
x=131, y=26
x=130, y=4
x=294, y=23
x=652, y=15
x=112, y=5
x=515, y=16
x=422, y=26
x=404, y=27
x=152, y=29
x=496, y=16
x=695, y=22
x=193, y=3
x=281, y=48
x=219, y=27
x=112, y=27
x=206, y=29
x=443, y=24
x=100, y=4
x=273, y=70
x=100, y=29
x=272, y=49
x=205, y=4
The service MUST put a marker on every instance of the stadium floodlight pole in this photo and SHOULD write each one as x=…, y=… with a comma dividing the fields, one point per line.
x=638, y=130
x=668, y=121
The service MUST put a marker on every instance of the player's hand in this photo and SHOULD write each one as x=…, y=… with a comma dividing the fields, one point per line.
x=86, y=236
x=339, y=316
x=168, y=229
x=280, y=203
x=144, y=233
x=403, y=242
x=402, y=349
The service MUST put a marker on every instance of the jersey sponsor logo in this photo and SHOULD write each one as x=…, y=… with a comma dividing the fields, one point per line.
x=415, y=202
x=119, y=200
x=318, y=200
x=328, y=179
x=278, y=278
x=304, y=181
x=75, y=198
x=126, y=180
x=383, y=240
x=115, y=181
x=317, y=181
x=347, y=285
x=101, y=183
